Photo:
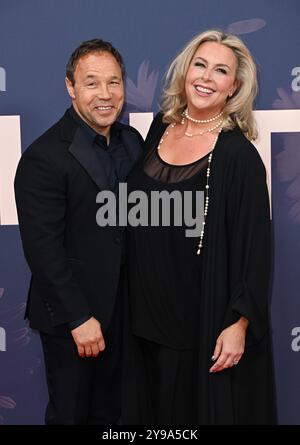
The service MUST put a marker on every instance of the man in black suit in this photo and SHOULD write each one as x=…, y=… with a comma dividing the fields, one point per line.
x=75, y=296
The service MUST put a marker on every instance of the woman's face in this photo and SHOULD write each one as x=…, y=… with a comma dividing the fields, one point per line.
x=210, y=79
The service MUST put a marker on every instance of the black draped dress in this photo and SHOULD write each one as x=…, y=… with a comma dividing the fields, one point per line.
x=164, y=287
x=180, y=302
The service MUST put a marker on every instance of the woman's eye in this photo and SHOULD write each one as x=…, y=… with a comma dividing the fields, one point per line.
x=222, y=70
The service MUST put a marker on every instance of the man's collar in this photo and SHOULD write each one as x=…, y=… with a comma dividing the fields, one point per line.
x=90, y=132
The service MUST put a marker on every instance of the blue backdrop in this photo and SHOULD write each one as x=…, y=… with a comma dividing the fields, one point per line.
x=36, y=39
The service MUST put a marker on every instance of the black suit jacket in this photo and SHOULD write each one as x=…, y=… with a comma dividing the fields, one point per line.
x=75, y=264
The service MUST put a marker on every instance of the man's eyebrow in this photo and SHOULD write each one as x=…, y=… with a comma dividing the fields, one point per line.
x=93, y=76
x=90, y=76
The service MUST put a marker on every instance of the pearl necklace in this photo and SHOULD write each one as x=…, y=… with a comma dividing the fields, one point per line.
x=208, y=130
x=200, y=121
x=200, y=245
x=165, y=133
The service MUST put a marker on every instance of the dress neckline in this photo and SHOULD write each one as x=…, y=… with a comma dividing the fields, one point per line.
x=179, y=165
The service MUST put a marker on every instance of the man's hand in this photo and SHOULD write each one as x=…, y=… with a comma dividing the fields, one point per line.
x=88, y=338
x=230, y=346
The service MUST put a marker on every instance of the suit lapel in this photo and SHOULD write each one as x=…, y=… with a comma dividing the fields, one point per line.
x=82, y=149
x=132, y=145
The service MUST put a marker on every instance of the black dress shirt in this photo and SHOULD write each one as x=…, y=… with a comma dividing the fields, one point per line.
x=114, y=155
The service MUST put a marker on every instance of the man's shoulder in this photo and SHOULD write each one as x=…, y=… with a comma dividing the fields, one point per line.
x=50, y=141
x=45, y=138
x=129, y=130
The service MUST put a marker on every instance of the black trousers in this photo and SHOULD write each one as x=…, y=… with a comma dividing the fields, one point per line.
x=84, y=390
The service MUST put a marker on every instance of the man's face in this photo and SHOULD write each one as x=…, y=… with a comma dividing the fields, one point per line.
x=98, y=91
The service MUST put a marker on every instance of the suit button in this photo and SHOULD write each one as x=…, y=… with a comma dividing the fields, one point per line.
x=118, y=240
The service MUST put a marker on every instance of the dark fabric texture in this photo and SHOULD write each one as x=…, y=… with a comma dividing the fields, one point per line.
x=235, y=281
x=169, y=379
x=84, y=391
x=113, y=156
x=159, y=311
x=155, y=167
x=75, y=263
x=75, y=324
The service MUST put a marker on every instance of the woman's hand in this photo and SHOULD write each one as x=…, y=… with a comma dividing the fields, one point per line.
x=230, y=346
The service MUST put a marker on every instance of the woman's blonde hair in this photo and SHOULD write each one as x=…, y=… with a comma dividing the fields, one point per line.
x=238, y=109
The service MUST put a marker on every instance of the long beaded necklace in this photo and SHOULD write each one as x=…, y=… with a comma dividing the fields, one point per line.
x=200, y=245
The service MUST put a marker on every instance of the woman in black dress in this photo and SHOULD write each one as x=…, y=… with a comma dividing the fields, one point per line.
x=198, y=339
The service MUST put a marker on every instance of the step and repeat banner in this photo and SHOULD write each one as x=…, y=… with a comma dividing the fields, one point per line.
x=36, y=39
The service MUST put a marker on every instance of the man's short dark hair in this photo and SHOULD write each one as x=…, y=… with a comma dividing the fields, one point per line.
x=89, y=47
